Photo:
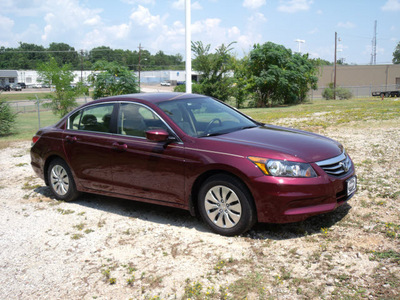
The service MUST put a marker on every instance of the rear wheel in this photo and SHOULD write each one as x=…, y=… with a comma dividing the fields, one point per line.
x=226, y=206
x=61, y=181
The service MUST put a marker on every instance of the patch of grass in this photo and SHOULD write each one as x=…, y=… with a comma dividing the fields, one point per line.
x=392, y=255
x=65, y=211
x=80, y=226
x=76, y=236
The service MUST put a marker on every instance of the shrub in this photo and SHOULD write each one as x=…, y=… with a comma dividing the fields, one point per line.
x=341, y=93
x=7, y=118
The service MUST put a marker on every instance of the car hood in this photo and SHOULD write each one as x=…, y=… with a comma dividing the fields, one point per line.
x=277, y=140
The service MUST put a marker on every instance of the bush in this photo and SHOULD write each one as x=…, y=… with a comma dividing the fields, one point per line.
x=7, y=118
x=196, y=88
x=341, y=93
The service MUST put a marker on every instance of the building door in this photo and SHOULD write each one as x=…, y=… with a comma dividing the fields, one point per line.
x=397, y=82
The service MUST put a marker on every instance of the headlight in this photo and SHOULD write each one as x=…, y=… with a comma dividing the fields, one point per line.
x=283, y=168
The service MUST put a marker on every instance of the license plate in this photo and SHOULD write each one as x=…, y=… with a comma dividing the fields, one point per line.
x=351, y=185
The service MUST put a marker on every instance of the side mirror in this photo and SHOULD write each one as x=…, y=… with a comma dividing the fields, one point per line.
x=157, y=135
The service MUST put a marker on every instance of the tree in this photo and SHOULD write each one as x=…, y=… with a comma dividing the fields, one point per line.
x=7, y=118
x=278, y=76
x=112, y=80
x=64, y=54
x=396, y=54
x=240, y=80
x=63, y=98
x=214, y=69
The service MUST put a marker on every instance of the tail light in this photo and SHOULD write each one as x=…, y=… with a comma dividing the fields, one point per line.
x=35, y=139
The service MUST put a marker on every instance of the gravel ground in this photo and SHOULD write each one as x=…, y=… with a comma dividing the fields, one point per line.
x=108, y=248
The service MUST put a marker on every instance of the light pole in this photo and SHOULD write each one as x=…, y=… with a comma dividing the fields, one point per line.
x=299, y=42
x=334, y=73
x=188, y=48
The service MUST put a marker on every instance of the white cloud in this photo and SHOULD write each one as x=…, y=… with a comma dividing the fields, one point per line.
x=293, y=6
x=346, y=25
x=6, y=24
x=254, y=4
x=180, y=5
x=143, y=17
x=391, y=5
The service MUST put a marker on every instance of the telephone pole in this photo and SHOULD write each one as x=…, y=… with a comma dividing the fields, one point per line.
x=334, y=72
x=373, y=50
x=140, y=52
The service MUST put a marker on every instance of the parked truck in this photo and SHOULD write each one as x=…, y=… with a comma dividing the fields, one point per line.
x=392, y=93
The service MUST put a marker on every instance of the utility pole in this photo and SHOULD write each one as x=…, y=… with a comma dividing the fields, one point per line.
x=140, y=52
x=188, y=48
x=334, y=72
x=373, y=50
x=81, y=65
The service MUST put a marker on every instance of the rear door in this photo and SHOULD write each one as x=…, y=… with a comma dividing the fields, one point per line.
x=88, y=145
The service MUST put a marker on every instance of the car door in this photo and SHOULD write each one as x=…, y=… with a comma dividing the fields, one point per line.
x=88, y=144
x=142, y=168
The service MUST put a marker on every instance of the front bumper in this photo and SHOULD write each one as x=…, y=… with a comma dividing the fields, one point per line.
x=285, y=200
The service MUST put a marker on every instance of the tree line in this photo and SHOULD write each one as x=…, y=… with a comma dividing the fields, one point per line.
x=29, y=56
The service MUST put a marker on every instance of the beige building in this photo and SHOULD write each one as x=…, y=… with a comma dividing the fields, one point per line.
x=361, y=80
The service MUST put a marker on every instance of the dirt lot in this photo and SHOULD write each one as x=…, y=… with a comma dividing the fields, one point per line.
x=106, y=248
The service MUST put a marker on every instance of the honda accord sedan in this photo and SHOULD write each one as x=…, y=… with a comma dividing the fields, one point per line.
x=195, y=153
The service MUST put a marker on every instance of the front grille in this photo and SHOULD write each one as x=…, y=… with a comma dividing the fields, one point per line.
x=336, y=166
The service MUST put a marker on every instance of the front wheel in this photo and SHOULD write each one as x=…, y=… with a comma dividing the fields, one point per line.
x=226, y=206
x=61, y=181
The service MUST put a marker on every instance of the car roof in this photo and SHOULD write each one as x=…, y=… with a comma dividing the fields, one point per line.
x=151, y=97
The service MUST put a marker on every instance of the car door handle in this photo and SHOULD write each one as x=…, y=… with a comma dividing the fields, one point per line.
x=71, y=139
x=119, y=147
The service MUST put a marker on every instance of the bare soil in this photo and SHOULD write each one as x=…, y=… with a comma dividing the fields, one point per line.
x=108, y=248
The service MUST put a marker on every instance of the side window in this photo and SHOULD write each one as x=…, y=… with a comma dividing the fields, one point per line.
x=135, y=120
x=95, y=118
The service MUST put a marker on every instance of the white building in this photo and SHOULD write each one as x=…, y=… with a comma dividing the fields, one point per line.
x=32, y=79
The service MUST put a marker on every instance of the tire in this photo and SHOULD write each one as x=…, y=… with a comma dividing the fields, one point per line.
x=60, y=180
x=226, y=205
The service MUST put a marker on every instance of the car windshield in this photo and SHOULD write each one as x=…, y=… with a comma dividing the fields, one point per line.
x=201, y=117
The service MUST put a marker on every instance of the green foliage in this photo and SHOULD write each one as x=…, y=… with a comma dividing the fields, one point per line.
x=63, y=98
x=29, y=56
x=280, y=77
x=113, y=79
x=7, y=118
x=396, y=54
x=196, y=88
x=240, y=80
x=341, y=93
x=214, y=69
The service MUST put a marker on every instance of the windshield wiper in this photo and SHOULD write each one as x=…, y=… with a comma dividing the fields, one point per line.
x=211, y=134
x=247, y=127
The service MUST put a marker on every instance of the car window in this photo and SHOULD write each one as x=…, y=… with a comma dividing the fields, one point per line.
x=96, y=118
x=135, y=120
x=204, y=116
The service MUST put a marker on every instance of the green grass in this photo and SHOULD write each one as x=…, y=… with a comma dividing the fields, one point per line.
x=24, y=96
x=27, y=125
x=325, y=113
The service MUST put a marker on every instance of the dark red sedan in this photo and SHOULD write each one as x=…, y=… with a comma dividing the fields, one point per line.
x=196, y=153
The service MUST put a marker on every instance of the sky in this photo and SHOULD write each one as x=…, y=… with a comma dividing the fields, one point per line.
x=160, y=25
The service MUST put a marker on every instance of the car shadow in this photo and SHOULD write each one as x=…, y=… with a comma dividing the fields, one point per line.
x=182, y=218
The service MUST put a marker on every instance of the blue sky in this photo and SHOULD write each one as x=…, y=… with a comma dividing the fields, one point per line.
x=160, y=25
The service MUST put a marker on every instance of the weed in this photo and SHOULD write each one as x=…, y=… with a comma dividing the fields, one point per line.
x=76, y=236
x=21, y=165
x=389, y=254
x=192, y=290
x=79, y=226
x=87, y=231
x=65, y=211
